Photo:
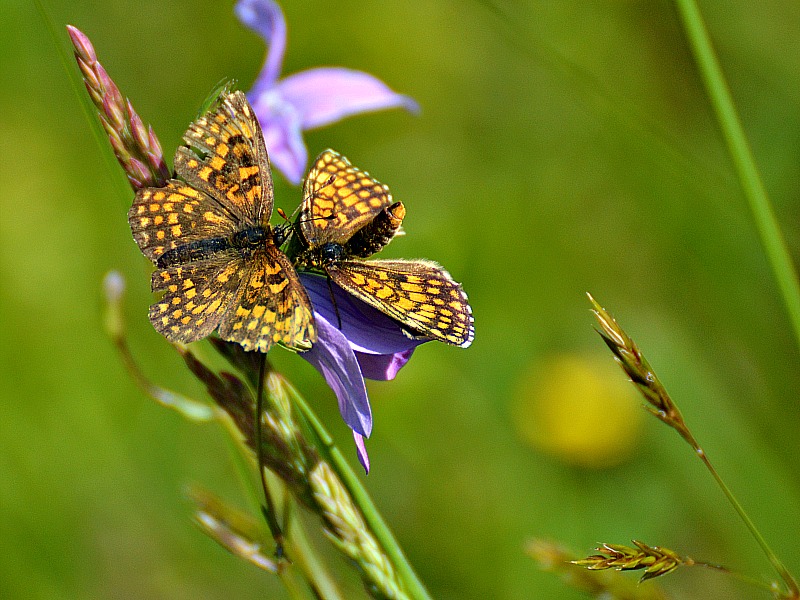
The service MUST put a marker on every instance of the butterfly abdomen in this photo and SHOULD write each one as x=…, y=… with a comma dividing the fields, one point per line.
x=192, y=252
x=244, y=240
x=377, y=233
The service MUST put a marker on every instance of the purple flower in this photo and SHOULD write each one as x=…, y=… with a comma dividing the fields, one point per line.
x=306, y=100
x=367, y=344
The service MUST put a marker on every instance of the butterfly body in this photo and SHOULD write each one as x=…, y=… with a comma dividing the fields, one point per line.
x=246, y=241
x=347, y=216
x=376, y=234
x=217, y=258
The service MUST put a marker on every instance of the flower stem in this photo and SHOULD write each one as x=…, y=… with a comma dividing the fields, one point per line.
x=413, y=586
x=636, y=366
x=303, y=553
x=767, y=224
x=743, y=161
x=791, y=584
x=269, y=508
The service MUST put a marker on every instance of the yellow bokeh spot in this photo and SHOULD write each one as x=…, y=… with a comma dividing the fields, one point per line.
x=582, y=411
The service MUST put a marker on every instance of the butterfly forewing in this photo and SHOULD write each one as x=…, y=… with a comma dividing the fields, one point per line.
x=338, y=200
x=419, y=294
x=227, y=159
x=161, y=219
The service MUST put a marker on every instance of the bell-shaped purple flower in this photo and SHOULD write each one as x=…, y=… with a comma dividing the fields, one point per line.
x=305, y=100
x=354, y=341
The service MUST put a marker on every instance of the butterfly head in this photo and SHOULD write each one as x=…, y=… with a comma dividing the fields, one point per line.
x=331, y=252
x=281, y=233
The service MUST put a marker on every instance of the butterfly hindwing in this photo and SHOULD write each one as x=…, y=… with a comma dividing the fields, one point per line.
x=419, y=294
x=271, y=307
x=196, y=297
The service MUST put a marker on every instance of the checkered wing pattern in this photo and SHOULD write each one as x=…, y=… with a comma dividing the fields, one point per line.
x=271, y=307
x=338, y=200
x=226, y=158
x=219, y=267
x=419, y=294
x=196, y=297
x=162, y=219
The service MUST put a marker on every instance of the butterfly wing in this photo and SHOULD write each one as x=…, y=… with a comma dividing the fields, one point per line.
x=196, y=296
x=419, y=294
x=338, y=200
x=226, y=158
x=251, y=295
x=163, y=218
x=271, y=307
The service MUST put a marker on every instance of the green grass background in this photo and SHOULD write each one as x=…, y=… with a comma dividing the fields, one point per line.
x=562, y=148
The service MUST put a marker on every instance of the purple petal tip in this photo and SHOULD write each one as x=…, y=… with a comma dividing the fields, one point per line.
x=411, y=105
x=361, y=450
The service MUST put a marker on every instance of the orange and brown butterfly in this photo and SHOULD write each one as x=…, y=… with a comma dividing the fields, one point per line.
x=217, y=258
x=346, y=216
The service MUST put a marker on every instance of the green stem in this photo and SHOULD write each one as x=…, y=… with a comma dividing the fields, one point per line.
x=303, y=552
x=89, y=111
x=270, y=514
x=767, y=224
x=413, y=586
x=742, y=156
x=306, y=572
x=735, y=574
x=776, y=563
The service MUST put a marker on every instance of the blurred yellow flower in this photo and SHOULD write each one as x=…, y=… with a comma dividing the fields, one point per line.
x=581, y=410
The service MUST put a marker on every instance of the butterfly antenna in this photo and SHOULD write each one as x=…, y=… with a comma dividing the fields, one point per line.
x=284, y=231
x=268, y=509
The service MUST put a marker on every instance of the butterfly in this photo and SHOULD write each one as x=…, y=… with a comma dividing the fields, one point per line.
x=346, y=216
x=217, y=258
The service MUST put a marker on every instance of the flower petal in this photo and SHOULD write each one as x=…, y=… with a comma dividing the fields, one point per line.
x=382, y=367
x=266, y=18
x=332, y=356
x=361, y=450
x=282, y=136
x=367, y=329
x=325, y=95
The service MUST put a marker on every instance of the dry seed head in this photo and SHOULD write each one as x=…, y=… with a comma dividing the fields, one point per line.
x=553, y=558
x=654, y=560
x=635, y=365
x=231, y=528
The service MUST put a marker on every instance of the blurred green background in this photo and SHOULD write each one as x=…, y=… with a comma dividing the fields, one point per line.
x=562, y=148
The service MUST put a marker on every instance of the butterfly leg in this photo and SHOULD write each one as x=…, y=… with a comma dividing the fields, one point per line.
x=333, y=301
